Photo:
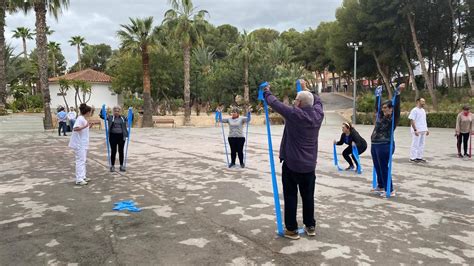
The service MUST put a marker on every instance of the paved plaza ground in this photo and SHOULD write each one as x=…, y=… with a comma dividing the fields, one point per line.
x=196, y=211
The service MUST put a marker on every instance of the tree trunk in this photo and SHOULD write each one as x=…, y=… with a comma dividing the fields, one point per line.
x=25, y=53
x=411, y=73
x=147, y=111
x=456, y=71
x=53, y=57
x=466, y=64
x=3, y=83
x=246, y=82
x=41, y=46
x=187, y=90
x=385, y=78
x=333, y=82
x=424, y=71
x=79, y=56
x=323, y=80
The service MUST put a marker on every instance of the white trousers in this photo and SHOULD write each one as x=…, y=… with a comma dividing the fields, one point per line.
x=81, y=156
x=417, y=145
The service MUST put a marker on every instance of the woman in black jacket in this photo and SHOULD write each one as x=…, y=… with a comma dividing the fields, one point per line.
x=118, y=133
x=351, y=137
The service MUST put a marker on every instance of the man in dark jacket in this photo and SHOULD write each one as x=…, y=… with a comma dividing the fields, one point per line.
x=298, y=152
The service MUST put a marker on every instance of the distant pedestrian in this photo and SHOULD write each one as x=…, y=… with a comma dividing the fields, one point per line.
x=71, y=116
x=80, y=143
x=418, y=129
x=463, y=130
x=218, y=115
x=351, y=137
x=62, y=119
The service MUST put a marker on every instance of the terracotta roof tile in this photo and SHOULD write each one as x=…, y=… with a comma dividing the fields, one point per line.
x=88, y=75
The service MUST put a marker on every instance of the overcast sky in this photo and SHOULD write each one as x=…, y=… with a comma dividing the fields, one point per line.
x=99, y=20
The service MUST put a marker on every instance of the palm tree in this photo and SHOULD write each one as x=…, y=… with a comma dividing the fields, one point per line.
x=204, y=57
x=138, y=37
x=186, y=24
x=78, y=41
x=41, y=7
x=246, y=49
x=53, y=49
x=23, y=34
x=3, y=83
x=280, y=53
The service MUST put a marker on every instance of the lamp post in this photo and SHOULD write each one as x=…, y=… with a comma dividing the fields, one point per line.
x=356, y=46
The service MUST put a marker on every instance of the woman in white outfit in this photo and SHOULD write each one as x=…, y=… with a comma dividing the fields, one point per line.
x=80, y=143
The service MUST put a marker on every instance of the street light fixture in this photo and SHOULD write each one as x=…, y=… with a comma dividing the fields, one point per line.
x=356, y=46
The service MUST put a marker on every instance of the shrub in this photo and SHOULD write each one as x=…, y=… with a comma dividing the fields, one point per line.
x=175, y=105
x=135, y=103
x=366, y=103
x=441, y=120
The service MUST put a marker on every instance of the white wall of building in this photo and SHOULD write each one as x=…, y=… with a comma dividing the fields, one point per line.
x=101, y=94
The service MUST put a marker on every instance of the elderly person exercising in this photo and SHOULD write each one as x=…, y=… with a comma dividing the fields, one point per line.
x=118, y=133
x=298, y=152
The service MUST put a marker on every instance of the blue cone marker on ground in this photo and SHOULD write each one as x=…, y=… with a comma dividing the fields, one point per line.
x=129, y=121
x=355, y=152
x=276, y=196
x=104, y=115
x=334, y=151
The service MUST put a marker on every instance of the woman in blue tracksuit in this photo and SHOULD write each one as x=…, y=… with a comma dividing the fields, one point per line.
x=382, y=135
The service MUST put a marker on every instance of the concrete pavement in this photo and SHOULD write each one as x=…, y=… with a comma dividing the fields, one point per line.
x=196, y=211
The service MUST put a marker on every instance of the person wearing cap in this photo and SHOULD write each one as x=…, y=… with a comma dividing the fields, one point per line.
x=463, y=129
x=382, y=135
x=236, y=136
x=351, y=137
x=419, y=130
x=298, y=153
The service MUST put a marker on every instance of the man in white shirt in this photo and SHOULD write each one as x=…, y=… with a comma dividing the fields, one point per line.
x=71, y=116
x=418, y=129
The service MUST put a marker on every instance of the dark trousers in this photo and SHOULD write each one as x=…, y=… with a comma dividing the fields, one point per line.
x=306, y=184
x=236, y=147
x=347, y=153
x=63, y=126
x=463, y=138
x=380, y=157
x=116, y=140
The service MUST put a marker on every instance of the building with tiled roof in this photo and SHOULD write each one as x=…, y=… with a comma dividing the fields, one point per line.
x=101, y=92
x=88, y=75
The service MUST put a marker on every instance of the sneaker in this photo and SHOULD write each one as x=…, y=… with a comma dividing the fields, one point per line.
x=112, y=169
x=310, y=231
x=231, y=165
x=467, y=155
x=292, y=234
x=384, y=194
x=81, y=183
x=122, y=168
x=421, y=160
x=460, y=155
x=414, y=161
x=87, y=179
x=242, y=165
x=376, y=190
x=350, y=168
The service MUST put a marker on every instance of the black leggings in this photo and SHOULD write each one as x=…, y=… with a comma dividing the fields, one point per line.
x=237, y=147
x=348, y=151
x=116, y=140
x=463, y=138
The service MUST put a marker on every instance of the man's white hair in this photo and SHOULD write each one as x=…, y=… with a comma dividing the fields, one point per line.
x=306, y=98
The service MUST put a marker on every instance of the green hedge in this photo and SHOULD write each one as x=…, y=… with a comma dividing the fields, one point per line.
x=441, y=120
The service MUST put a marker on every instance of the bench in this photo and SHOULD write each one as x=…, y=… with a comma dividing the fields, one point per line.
x=164, y=121
x=97, y=122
